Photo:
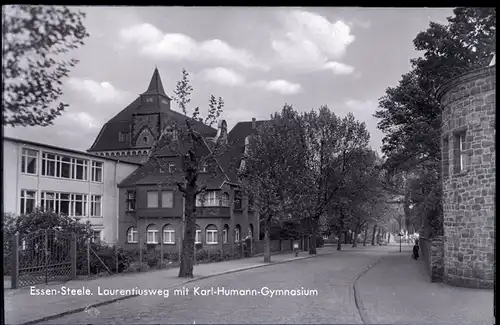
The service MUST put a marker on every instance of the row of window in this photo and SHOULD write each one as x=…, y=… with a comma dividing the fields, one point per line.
x=60, y=166
x=211, y=234
x=165, y=199
x=71, y=204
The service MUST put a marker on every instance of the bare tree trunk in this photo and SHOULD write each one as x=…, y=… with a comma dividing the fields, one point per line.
x=267, y=242
x=312, y=239
x=187, y=256
x=388, y=237
x=366, y=235
x=373, y=234
x=378, y=236
x=340, y=231
x=346, y=237
x=355, y=239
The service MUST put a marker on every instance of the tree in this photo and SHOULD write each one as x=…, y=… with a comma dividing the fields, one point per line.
x=34, y=38
x=410, y=115
x=185, y=141
x=273, y=166
x=331, y=142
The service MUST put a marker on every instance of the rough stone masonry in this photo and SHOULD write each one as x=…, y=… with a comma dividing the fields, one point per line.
x=468, y=170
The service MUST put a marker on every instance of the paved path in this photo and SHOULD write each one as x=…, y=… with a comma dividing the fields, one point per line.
x=21, y=306
x=330, y=275
x=398, y=291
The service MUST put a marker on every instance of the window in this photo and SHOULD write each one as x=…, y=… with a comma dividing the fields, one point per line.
x=28, y=161
x=171, y=133
x=237, y=200
x=460, y=153
x=197, y=237
x=132, y=235
x=64, y=167
x=171, y=167
x=168, y=235
x=225, y=233
x=237, y=234
x=149, y=99
x=204, y=168
x=124, y=136
x=224, y=200
x=95, y=206
x=70, y=204
x=211, y=234
x=152, y=235
x=463, y=155
x=96, y=238
x=167, y=199
x=28, y=201
x=48, y=202
x=130, y=201
x=152, y=199
x=97, y=171
x=208, y=199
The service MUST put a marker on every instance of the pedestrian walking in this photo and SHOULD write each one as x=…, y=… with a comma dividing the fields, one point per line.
x=415, y=250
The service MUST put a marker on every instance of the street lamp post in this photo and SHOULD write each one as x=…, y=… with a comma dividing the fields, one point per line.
x=400, y=238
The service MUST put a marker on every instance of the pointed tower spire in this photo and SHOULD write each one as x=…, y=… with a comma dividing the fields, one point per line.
x=155, y=85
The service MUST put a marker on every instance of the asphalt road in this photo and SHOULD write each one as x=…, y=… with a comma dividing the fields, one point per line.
x=328, y=278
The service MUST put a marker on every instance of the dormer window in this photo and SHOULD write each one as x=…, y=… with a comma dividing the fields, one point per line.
x=149, y=99
x=171, y=167
x=124, y=136
x=204, y=168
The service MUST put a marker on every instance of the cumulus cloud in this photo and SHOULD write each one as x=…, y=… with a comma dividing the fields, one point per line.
x=279, y=86
x=100, y=92
x=154, y=43
x=84, y=119
x=223, y=76
x=361, y=105
x=310, y=42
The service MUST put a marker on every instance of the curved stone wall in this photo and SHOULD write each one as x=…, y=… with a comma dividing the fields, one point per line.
x=468, y=166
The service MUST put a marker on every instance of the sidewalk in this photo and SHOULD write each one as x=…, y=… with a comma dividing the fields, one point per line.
x=398, y=291
x=23, y=307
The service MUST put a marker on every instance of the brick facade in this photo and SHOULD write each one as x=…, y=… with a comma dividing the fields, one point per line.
x=468, y=165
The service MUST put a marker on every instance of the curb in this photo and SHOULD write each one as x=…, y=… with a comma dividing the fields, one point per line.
x=357, y=297
x=107, y=302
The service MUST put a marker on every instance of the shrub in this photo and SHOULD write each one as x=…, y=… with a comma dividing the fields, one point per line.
x=198, y=246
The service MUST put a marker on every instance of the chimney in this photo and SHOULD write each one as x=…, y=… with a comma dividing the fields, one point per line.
x=254, y=124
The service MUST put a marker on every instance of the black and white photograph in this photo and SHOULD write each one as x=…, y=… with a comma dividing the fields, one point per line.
x=248, y=165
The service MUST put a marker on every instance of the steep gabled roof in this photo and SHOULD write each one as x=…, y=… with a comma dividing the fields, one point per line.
x=108, y=138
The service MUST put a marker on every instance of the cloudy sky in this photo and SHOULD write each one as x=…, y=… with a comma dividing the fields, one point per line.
x=257, y=59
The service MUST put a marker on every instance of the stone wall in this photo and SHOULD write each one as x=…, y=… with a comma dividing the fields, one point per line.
x=468, y=170
x=432, y=253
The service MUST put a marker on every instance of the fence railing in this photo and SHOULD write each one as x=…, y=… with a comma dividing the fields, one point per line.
x=42, y=257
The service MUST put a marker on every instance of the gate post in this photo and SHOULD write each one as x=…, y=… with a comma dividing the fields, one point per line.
x=73, y=256
x=14, y=272
x=46, y=241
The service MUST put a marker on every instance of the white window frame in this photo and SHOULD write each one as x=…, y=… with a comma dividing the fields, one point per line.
x=154, y=232
x=214, y=233
x=171, y=167
x=94, y=201
x=168, y=235
x=72, y=199
x=132, y=232
x=204, y=168
x=97, y=165
x=24, y=200
x=197, y=236
x=463, y=155
x=58, y=162
x=157, y=200
x=131, y=198
x=209, y=199
x=225, y=237
x=224, y=199
x=237, y=235
x=162, y=204
x=26, y=154
x=94, y=237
